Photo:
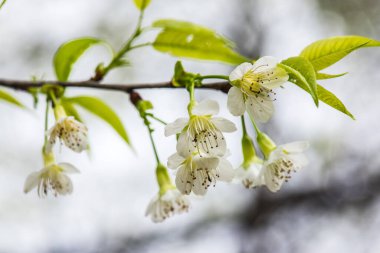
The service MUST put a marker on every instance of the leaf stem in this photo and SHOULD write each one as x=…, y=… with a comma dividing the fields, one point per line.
x=46, y=121
x=127, y=46
x=157, y=119
x=254, y=124
x=140, y=45
x=243, y=125
x=213, y=77
x=150, y=130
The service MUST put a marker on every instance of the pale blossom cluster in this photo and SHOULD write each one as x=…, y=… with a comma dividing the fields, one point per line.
x=53, y=177
x=201, y=148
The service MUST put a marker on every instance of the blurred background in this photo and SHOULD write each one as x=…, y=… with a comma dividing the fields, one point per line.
x=332, y=205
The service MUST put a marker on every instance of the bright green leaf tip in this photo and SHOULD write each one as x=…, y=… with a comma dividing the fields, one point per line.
x=302, y=73
x=185, y=39
x=324, y=53
x=69, y=52
x=103, y=111
x=10, y=99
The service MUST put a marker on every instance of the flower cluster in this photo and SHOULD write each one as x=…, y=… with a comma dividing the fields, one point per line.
x=201, y=149
x=253, y=86
x=52, y=177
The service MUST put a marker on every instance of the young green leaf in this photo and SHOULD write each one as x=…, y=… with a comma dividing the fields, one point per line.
x=103, y=111
x=2, y=3
x=330, y=99
x=141, y=4
x=10, y=99
x=302, y=73
x=326, y=52
x=185, y=39
x=69, y=52
x=322, y=76
x=70, y=109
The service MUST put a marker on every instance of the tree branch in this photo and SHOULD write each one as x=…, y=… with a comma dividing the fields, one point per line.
x=25, y=85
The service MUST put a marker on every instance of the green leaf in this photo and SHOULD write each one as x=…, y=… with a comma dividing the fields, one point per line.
x=103, y=111
x=302, y=73
x=10, y=99
x=185, y=39
x=2, y=3
x=322, y=76
x=141, y=4
x=326, y=52
x=70, y=109
x=330, y=99
x=68, y=53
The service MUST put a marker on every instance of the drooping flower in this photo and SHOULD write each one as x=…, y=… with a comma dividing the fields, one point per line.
x=252, y=88
x=249, y=173
x=201, y=132
x=251, y=176
x=70, y=132
x=51, y=178
x=196, y=174
x=282, y=162
x=164, y=206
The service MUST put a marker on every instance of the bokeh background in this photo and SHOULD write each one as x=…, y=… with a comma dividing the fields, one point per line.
x=332, y=205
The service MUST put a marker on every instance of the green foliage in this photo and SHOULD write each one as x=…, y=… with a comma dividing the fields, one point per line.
x=185, y=39
x=330, y=99
x=10, y=99
x=326, y=52
x=70, y=109
x=182, y=78
x=302, y=73
x=2, y=3
x=68, y=53
x=103, y=111
x=142, y=4
x=322, y=76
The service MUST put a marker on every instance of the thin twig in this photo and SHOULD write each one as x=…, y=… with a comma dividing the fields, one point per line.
x=26, y=85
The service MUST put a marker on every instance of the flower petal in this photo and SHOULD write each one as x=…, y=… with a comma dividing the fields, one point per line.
x=239, y=71
x=32, y=181
x=223, y=124
x=184, y=180
x=265, y=63
x=275, y=78
x=174, y=161
x=176, y=127
x=184, y=145
x=260, y=108
x=295, y=147
x=206, y=107
x=226, y=171
x=68, y=168
x=235, y=102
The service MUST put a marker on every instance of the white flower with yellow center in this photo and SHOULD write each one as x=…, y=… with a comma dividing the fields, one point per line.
x=282, y=162
x=196, y=174
x=250, y=177
x=51, y=178
x=252, y=88
x=170, y=203
x=201, y=132
x=70, y=132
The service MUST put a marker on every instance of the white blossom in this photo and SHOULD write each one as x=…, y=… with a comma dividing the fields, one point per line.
x=51, y=178
x=196, y=174
x=201, y=132
x=70, y=132
x=170, y=203
x=282, y=162
x=252, y=86
x=250, y=177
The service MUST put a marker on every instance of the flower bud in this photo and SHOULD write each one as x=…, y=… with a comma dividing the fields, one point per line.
x=266, y=144
x=249, y=152
x=163, y=178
